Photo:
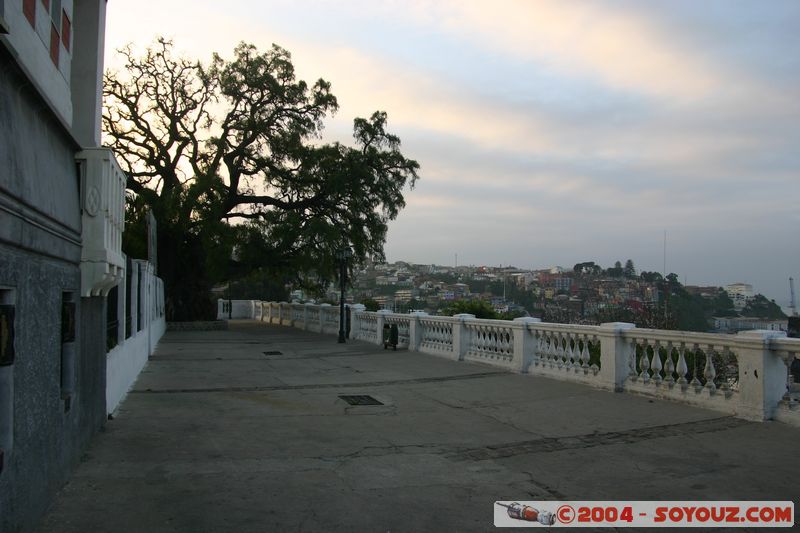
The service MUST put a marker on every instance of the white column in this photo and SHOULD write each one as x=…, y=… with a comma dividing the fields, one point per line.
x=762, y=375
x=615, y=354
x=461, y=335
x=355, y=320
x=523, y=342
x=415, y=331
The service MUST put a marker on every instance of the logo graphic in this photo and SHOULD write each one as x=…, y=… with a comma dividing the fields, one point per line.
x=565, y=514
x=518, y=511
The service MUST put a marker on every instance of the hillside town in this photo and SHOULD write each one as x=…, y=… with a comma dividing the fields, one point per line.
x=585, y=294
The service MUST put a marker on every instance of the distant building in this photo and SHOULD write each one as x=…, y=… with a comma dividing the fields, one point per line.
x=406, y=295
x=734, y=324
x=740, y=293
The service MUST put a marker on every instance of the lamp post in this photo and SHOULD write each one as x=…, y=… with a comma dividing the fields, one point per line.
x=342, y=255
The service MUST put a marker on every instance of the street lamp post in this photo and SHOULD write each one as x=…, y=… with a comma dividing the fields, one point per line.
x=342, y=255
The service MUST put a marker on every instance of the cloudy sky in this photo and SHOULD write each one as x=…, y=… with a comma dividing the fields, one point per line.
x=554, y=132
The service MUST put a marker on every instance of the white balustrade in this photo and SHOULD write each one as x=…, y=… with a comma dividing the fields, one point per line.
x=403, y=323
x=744, y=375
x=490, y=341
x=437, y=335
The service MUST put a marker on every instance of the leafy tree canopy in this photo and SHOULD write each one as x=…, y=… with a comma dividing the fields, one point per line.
x=207, y=144
x=479, y=308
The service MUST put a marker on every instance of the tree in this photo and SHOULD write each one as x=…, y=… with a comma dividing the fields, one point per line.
x=651, y=277
x=629, y=270
x=479, y=308
x=204, y=145
x=615, y=271
x=761, y=307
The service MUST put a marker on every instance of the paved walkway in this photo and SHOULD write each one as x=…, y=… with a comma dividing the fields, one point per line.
x=244, y=431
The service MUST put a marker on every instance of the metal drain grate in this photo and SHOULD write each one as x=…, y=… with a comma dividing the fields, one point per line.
x=273, y=353
x=361, y=400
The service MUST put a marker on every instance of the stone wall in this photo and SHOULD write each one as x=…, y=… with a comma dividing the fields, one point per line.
x=51, y=419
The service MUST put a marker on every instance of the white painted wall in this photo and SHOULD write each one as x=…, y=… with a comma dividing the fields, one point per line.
x=126, y=360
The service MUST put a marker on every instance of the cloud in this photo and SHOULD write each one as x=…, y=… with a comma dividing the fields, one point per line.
x=621, y=48
x=555, y=131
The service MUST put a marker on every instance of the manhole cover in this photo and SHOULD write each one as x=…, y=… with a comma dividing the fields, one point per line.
x=273, y=353
x=361, y=400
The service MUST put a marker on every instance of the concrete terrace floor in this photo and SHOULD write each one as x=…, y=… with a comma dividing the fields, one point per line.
x=218, y=436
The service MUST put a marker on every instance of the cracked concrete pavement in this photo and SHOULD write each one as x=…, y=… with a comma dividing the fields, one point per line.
x=219, y=436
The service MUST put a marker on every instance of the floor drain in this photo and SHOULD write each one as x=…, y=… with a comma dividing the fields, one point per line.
x=273, y=353
x=361, y=400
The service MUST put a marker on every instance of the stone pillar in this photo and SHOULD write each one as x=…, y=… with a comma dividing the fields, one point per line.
x=134, y=303
x=122, y=301
x=460, y=335
x=523, y=342
x=615, y=353
x=322, y=309
x=355, y=320
x=305, y=315
x=415, y=331
x=762, y=375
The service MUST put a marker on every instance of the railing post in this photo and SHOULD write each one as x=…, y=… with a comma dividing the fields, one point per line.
x=322, y=308
x=762, y=375
x=615, y=354
x=381, y=321
x=355, y=320
x=415, y=331
x=305, y=315
x=134, y=303
x=460, y=335
x=523, y=343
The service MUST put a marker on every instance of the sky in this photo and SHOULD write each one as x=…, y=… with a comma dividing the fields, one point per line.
x=552, y=132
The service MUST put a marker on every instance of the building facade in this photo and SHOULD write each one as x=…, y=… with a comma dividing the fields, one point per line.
x=61, y=221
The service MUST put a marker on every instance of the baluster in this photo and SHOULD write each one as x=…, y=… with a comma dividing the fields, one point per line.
x=541, y=348
x=656, y=365
x=709, y=372
x=632, y=374
x=576, y=353
x=669, y=368
x=644, y=363
x=585, y=355
x=595, y=367
x=568, y=355
x=683, y=369
x=554, y=350
x=559, y=352
x=696, y=383
x=725, y=354
x=548, y=348
x=547, y=351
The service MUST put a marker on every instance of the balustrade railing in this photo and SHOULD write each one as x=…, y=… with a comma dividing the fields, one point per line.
x=403, y=323
x=366, y=328
x=745, y=375
x=298, y=313
x=571, y=351
x=437, y=335
x=490, y=341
